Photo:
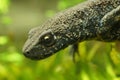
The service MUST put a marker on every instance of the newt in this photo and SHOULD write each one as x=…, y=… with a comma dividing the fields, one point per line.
x=90, y=20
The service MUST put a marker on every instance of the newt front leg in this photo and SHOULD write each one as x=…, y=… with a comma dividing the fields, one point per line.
x=108, y=21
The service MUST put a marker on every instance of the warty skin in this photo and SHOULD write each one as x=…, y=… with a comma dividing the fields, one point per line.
x=90, y=20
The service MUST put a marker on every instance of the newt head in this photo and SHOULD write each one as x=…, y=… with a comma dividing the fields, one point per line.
x=48, y=39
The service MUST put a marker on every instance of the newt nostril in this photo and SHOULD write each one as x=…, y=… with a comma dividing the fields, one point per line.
x=27, y=53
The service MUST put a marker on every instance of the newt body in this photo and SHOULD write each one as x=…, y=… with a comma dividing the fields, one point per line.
x=90, y=20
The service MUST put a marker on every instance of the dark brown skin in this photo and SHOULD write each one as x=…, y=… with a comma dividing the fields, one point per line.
x=90, y=20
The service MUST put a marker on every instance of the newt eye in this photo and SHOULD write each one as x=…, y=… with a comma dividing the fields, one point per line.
x=47, y=39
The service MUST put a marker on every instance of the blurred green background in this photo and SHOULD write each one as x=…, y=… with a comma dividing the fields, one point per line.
x=97, y=60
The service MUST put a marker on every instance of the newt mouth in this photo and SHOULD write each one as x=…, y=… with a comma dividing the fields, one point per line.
x=35, y=55
x=28, y=55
